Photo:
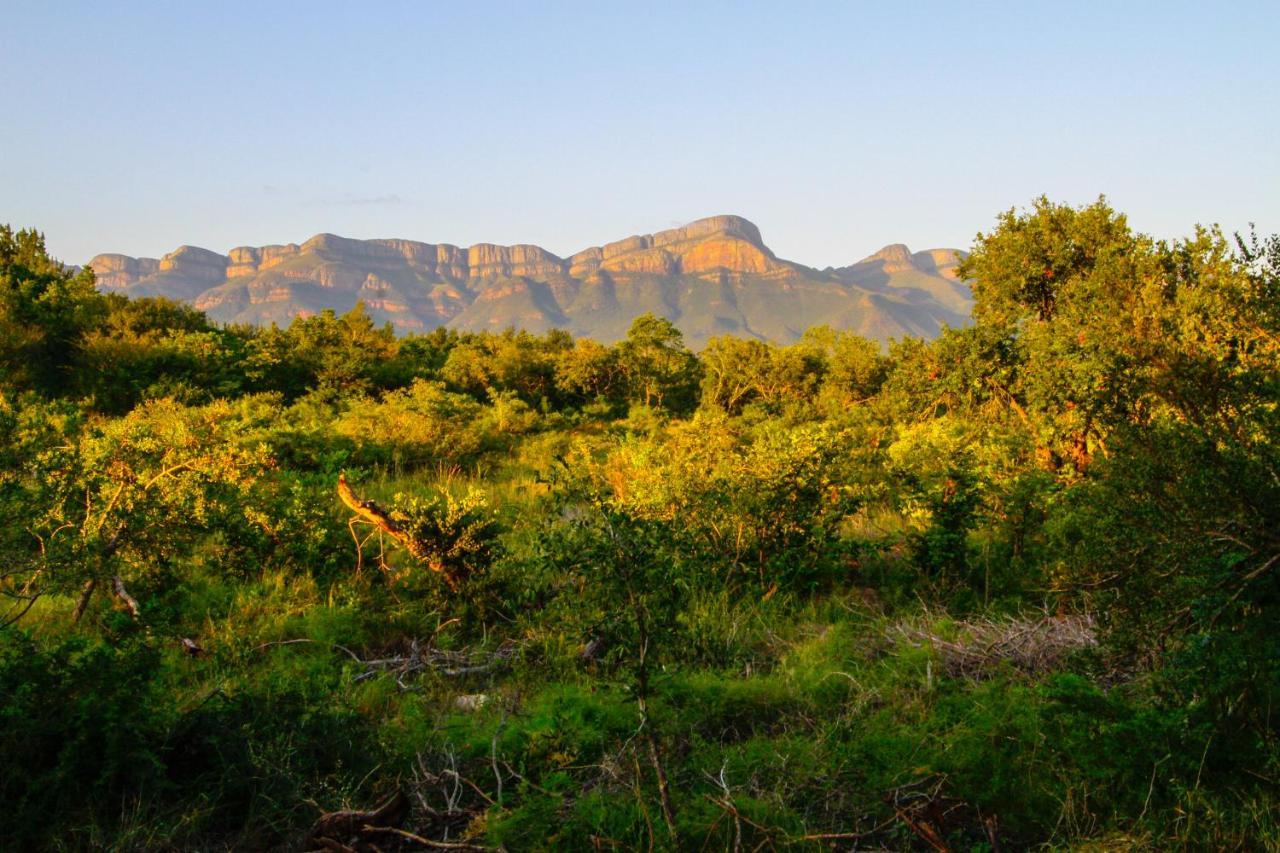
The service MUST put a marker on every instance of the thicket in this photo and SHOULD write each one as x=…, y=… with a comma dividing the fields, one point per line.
x=1012, y=588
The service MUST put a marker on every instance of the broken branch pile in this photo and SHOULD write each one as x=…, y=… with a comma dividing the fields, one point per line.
x=419, y=658
x=1033, y=645
x=453, y=664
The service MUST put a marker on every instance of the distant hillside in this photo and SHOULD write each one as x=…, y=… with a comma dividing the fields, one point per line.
x=711, y=277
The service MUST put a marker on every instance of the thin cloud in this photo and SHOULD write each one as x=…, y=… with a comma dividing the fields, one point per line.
x=351, y=199
x=347, y=199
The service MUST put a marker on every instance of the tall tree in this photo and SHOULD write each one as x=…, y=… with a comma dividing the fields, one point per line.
x=660, y=369
x=45, y=310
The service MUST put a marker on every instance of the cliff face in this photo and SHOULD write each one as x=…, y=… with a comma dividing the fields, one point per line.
x=195, y=264
x=115, y=272
x=713, y=276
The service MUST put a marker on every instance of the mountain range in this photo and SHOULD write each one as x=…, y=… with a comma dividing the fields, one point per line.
x=711, y=277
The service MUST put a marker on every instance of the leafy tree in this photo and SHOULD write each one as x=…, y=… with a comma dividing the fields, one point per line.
x=151, y=348
x=1185, y=502
x=456, y=536
x=413, y=427
x=45, y=311
x=337, y=354
x=590, y=371
x=1034, y=262
x=1065, y=286
x=853, y=369
x=421, y=356
x=737, y=371
x=765, y=507
x=484, y=365
x=630, y=586
x=659, y=369
x=132, y=497
x=734, y=371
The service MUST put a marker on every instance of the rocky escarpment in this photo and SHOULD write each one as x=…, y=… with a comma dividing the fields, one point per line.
x=931, y=274
x=728, y=243
x=195, y=264
x=713, y=276
x=115, y=272
x=897, y=258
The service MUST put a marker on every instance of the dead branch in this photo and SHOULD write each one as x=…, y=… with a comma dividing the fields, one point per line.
x=348, y=827
x=418, y=839
x=130, y=603
x=355, y=657
x=453, y=814
x=419, y=659
x=726, y=804
x=923, y=807
x=370, y=512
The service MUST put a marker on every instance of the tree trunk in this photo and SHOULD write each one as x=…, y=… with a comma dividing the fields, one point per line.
x=655, y=758
x=86, y=593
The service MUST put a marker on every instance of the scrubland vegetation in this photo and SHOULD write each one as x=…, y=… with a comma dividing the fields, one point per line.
x=1012, y=588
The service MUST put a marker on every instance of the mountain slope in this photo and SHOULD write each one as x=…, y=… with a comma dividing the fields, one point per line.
x=713, y=276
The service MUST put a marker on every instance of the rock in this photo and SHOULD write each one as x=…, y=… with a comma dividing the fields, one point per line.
x=470, y=702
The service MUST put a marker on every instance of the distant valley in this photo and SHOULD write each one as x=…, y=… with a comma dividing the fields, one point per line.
x=714, y=276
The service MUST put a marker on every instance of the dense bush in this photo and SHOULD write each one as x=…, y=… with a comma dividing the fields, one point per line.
x=1016, y=586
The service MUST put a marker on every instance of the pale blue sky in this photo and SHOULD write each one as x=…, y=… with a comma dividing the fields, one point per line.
x=836, y=127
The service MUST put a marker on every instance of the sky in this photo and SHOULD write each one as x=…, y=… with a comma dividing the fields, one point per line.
x=836, y=127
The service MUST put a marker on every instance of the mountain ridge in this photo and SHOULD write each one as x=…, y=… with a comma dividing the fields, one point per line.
x=712, y=276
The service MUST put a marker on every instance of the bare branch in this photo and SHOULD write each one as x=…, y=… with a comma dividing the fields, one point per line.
x=130, y=603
